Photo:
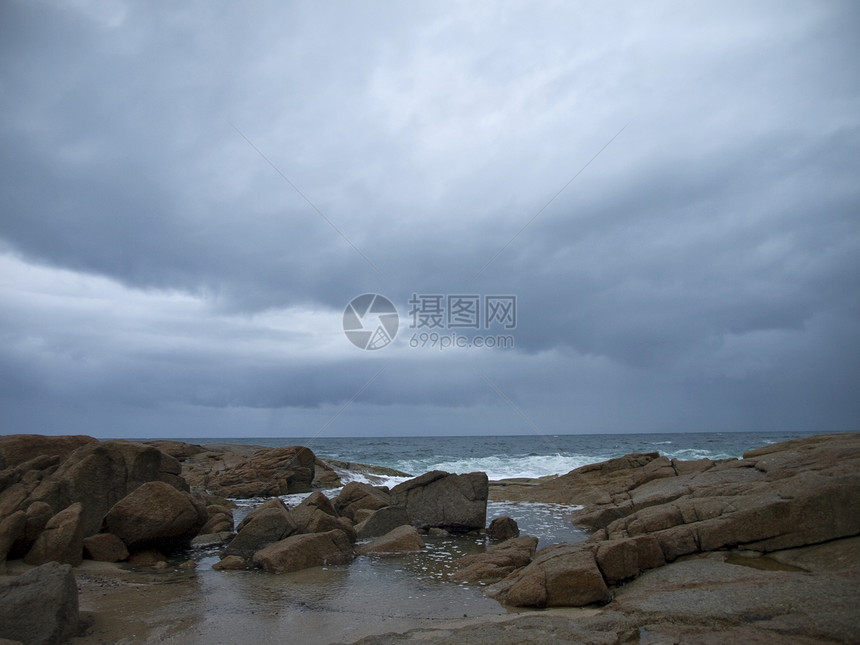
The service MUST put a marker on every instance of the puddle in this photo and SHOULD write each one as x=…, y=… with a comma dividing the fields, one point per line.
x=762, y=562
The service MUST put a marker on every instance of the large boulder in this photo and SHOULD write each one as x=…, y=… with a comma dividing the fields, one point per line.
x=40, y=606
x=381, y=522
x=316, y=514
x=563, y=575
x=438, y=499
x=230, y=563
x=497, y=562
x=325, y=476
x=268, y=523
x=267, y=473
x=219, y=514
x=98, y=475
x=304, y=551
x=503, y=528
x=25, y=460
x=37, y=516
x=357, y=496
x=62, y=540
x=16, y=449
x=403, y=539
x=156, y=515
x=105, y=547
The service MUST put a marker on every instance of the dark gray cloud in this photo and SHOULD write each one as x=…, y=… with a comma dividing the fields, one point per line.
x=160, y=277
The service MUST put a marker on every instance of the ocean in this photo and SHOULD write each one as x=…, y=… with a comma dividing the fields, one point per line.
x=503, y=457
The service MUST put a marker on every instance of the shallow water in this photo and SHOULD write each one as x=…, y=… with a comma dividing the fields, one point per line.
x=386, y=593
x=370, y=595
x=325, y=604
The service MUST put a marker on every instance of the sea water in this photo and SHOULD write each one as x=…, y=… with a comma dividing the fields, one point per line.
x=503, y=457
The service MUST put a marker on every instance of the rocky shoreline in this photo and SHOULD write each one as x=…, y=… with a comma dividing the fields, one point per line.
x=760, y=548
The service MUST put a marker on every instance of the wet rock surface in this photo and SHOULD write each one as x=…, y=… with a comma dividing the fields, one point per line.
x=442, y=500
x=304, y=551
x=646, y=510
x=403, y=539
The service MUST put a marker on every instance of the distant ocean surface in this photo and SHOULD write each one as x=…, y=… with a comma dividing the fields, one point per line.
x=504, y=457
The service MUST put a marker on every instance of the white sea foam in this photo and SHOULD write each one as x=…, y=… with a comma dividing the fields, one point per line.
x=504, y=466
x=347, y=476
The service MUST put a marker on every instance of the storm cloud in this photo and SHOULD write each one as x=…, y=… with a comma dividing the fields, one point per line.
x=191, y=195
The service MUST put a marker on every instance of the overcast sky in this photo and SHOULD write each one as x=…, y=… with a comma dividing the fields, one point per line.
x=193, y=192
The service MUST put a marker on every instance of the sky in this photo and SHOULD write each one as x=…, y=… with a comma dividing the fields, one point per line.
x=191, y=194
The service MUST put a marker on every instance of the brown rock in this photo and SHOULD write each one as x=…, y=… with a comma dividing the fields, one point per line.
x=325, y=476
x=100, y=474
x=588, y=485
x=219, y=518
x=438, y=499
x=40, y=606
x=204, y=540
x=17, y=449
x=230, y=563
x=560, y=576
x=403, y=539
x=690, y=467
x=266, y=524
x=14, y=498
x=363, y=513
x=156, y=514
x=179, y=450
x=105, y=547
x=316, y=514
x=788, y=495
x=357, y=496
x=62, y=539
x=659, y=468
x=274, y=502
x=202, y=469
x=38, y=514
x=503, y=528
x=18, y=482
x=624, y=559
x=269, y=472
x=676, y=542
x=304, y=551
x=381, y=521
x=497, y=562
x=218, y=523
